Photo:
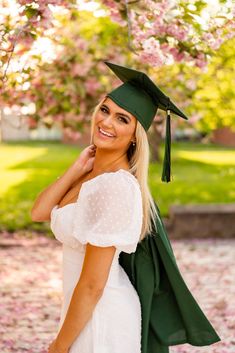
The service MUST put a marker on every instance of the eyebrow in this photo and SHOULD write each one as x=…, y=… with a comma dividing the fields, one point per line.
x=122, y=114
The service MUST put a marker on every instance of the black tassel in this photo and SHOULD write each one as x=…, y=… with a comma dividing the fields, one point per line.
x=166, y=172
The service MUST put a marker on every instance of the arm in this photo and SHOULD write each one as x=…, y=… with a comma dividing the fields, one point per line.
x=88, y=291
x=52, y=195
x=103, y=225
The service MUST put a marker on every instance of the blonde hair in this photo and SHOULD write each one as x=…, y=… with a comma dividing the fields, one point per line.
x=138, y=157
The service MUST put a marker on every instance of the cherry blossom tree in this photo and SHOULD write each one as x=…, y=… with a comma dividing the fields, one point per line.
x=164, y=32
x=47, y=54
x=159, y=32
x=53, y=85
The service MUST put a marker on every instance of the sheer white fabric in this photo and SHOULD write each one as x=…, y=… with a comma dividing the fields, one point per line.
x=109, y=212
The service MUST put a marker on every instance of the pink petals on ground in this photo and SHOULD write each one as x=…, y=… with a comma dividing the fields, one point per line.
x=208, y=269
x=30, y=293
x=31, y=290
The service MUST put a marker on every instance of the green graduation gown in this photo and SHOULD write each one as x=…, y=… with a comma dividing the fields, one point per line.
x=170, y=314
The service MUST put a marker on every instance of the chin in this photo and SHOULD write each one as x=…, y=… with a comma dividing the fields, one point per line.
x=104, y=145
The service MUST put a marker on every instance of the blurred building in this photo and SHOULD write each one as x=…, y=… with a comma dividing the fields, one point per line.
x=14, y=128
x=224, y=136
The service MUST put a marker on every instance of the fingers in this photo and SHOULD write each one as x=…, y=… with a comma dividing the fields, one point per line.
x=93, y=148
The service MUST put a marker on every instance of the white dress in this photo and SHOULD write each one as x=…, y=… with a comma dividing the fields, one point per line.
x=108, y=212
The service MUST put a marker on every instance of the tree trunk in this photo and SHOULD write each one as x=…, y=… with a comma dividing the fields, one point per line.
x=154, y=137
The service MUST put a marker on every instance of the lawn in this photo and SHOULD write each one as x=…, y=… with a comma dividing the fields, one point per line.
x=201, y=174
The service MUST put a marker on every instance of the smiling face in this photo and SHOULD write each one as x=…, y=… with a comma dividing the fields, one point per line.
x=114, y=127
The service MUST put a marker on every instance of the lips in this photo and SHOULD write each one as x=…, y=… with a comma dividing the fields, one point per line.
x=103, y=134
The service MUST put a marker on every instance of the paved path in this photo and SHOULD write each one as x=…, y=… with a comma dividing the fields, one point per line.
x=31, y=290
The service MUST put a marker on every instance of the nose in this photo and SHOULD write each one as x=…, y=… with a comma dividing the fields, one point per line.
x=108, y=121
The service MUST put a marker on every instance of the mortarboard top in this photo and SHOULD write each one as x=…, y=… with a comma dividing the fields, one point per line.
x=141, y=97
x=146, y=92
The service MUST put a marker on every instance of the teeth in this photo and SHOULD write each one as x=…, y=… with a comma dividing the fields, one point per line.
x=106, y=133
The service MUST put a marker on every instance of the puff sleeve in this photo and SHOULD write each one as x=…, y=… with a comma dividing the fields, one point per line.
x=109, y=212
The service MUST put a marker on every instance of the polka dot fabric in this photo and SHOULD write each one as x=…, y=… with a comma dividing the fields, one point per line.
x=109, y=211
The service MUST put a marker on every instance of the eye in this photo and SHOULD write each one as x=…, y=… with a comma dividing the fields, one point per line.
x=104, y=110
x=123, y=119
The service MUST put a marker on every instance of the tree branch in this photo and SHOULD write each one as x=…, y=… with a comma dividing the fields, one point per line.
x=129, y=44
x=20, y=30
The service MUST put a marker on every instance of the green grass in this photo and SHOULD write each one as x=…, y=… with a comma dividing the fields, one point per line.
x=201, y=174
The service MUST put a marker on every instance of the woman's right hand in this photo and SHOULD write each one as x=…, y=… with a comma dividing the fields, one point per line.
x=86, y=159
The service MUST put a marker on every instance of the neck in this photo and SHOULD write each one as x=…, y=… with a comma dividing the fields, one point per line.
x=109, y=161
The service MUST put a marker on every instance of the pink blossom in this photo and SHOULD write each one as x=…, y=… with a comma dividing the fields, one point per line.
x=72, y=135
x=179, y=57
x=58, y=117
x=154, y=60
x=81, y=44
x=24, y=2
x=194, y=118
x=92, y=85
x=32, y=123
x=150, y=45
x=115, y=16
x=76, y=70
x=114, y=12
x=81, y=69
x=191, y=84
x=200, y=61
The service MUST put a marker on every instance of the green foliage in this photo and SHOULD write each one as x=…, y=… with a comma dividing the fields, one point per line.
x=214, y=98
x=30, y=11
x=201, y=174
x=189, y=15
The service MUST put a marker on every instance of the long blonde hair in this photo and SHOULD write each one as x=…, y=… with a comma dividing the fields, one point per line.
x=138, y=157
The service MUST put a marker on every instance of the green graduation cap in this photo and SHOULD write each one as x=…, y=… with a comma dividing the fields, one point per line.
x=141, y=97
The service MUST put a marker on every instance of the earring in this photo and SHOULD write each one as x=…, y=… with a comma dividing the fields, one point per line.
x=133, y=143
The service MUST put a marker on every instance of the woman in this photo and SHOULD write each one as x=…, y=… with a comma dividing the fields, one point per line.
x=101, y=206
x=103, y=308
